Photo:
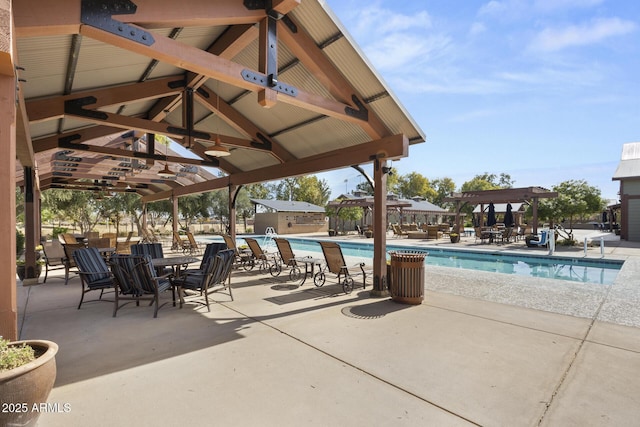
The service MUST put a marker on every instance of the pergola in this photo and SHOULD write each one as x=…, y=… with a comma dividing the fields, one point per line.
x=257, y=90
x=402, y=206
x=529, y=195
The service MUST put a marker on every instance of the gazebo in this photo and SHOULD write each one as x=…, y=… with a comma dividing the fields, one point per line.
x=252, y=92
x=529, y=195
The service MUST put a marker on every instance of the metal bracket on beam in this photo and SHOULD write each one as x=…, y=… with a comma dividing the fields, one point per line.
x=75, y=106
x=265, y=5
x=266, y=81
x=264, y=143
x=97, y=13
x=361, y=113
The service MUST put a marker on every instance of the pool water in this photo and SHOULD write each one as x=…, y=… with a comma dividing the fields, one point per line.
x=562, y=268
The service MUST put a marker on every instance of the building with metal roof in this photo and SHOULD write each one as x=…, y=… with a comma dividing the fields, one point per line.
x=628, y=173
x=288, y=217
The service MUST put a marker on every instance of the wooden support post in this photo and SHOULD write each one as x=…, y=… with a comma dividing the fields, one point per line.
x=8, y=308
x=31, y=227
x=380, y=229
x=175, y=214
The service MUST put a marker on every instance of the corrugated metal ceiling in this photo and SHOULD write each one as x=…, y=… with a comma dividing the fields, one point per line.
x=51, y=65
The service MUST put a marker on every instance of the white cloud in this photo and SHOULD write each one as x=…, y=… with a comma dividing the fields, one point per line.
x=551, y=5
x=401, y=50
x=554, y=39
x=376, y=22
x=477, y=28
x=505, y=9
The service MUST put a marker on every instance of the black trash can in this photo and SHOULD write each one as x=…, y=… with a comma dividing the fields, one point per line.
x=407, y=277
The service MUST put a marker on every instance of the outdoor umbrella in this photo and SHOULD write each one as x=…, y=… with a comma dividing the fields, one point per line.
x=491, y=215
x=508, y=216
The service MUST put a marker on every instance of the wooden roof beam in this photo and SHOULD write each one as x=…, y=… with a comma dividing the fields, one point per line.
x=53, y=108
x=392, y=147
x=38, y=18
x=312, y=57
x=167, y=50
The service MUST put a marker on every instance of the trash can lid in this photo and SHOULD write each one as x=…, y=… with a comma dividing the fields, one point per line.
x=408, y=254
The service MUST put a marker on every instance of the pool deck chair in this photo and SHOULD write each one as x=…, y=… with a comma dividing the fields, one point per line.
x=265, y=260
x=287, y=259
x=543, y=241
x=336, y=265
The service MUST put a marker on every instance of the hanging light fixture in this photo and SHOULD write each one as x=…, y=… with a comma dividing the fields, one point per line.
x=166, y=172
x=217, y=150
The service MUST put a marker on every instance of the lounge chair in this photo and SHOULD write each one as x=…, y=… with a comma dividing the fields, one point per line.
x=94, y=272
x=193, y=245
x=55, y=257
x=397, y=231
x=542, y=241
x=68, y=238
x=264, y=259
x=179, y=244
x=242, y=258
x=287, y=259
x=336, y=265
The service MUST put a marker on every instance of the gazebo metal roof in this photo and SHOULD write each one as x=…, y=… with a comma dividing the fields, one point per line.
x=288, y=206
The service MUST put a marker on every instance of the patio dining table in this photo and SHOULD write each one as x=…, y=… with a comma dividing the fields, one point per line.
x=176, y=262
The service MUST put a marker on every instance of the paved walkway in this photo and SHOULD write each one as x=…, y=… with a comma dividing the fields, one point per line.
x=280, y=355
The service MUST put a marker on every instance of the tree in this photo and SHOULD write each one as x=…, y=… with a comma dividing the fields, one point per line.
x=219, y=207
x=414, y=184
x=307, y=188
x=487, y=181
x=443, y=187
x=576, y=200
x=80, y=207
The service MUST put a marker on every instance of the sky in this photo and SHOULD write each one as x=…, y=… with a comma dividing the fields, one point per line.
x=543, y=90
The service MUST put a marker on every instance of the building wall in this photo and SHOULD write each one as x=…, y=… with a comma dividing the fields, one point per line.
x=630, y=209
x=290, y=222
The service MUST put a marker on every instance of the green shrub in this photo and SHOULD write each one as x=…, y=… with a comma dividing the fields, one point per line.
x=19, y=243
x=15, y=355
x=58, y=230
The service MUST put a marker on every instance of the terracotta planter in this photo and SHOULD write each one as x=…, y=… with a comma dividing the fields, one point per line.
x=28, y=385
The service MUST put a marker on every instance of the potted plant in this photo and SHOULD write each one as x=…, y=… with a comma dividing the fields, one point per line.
x=455, y=237
x=332, y=232
x=27, y=374
x=20, y=263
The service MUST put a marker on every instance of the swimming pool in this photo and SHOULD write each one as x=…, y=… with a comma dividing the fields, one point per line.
x=562, y=268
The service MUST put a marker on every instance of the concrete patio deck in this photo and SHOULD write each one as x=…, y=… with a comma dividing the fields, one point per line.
x=483, y=349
